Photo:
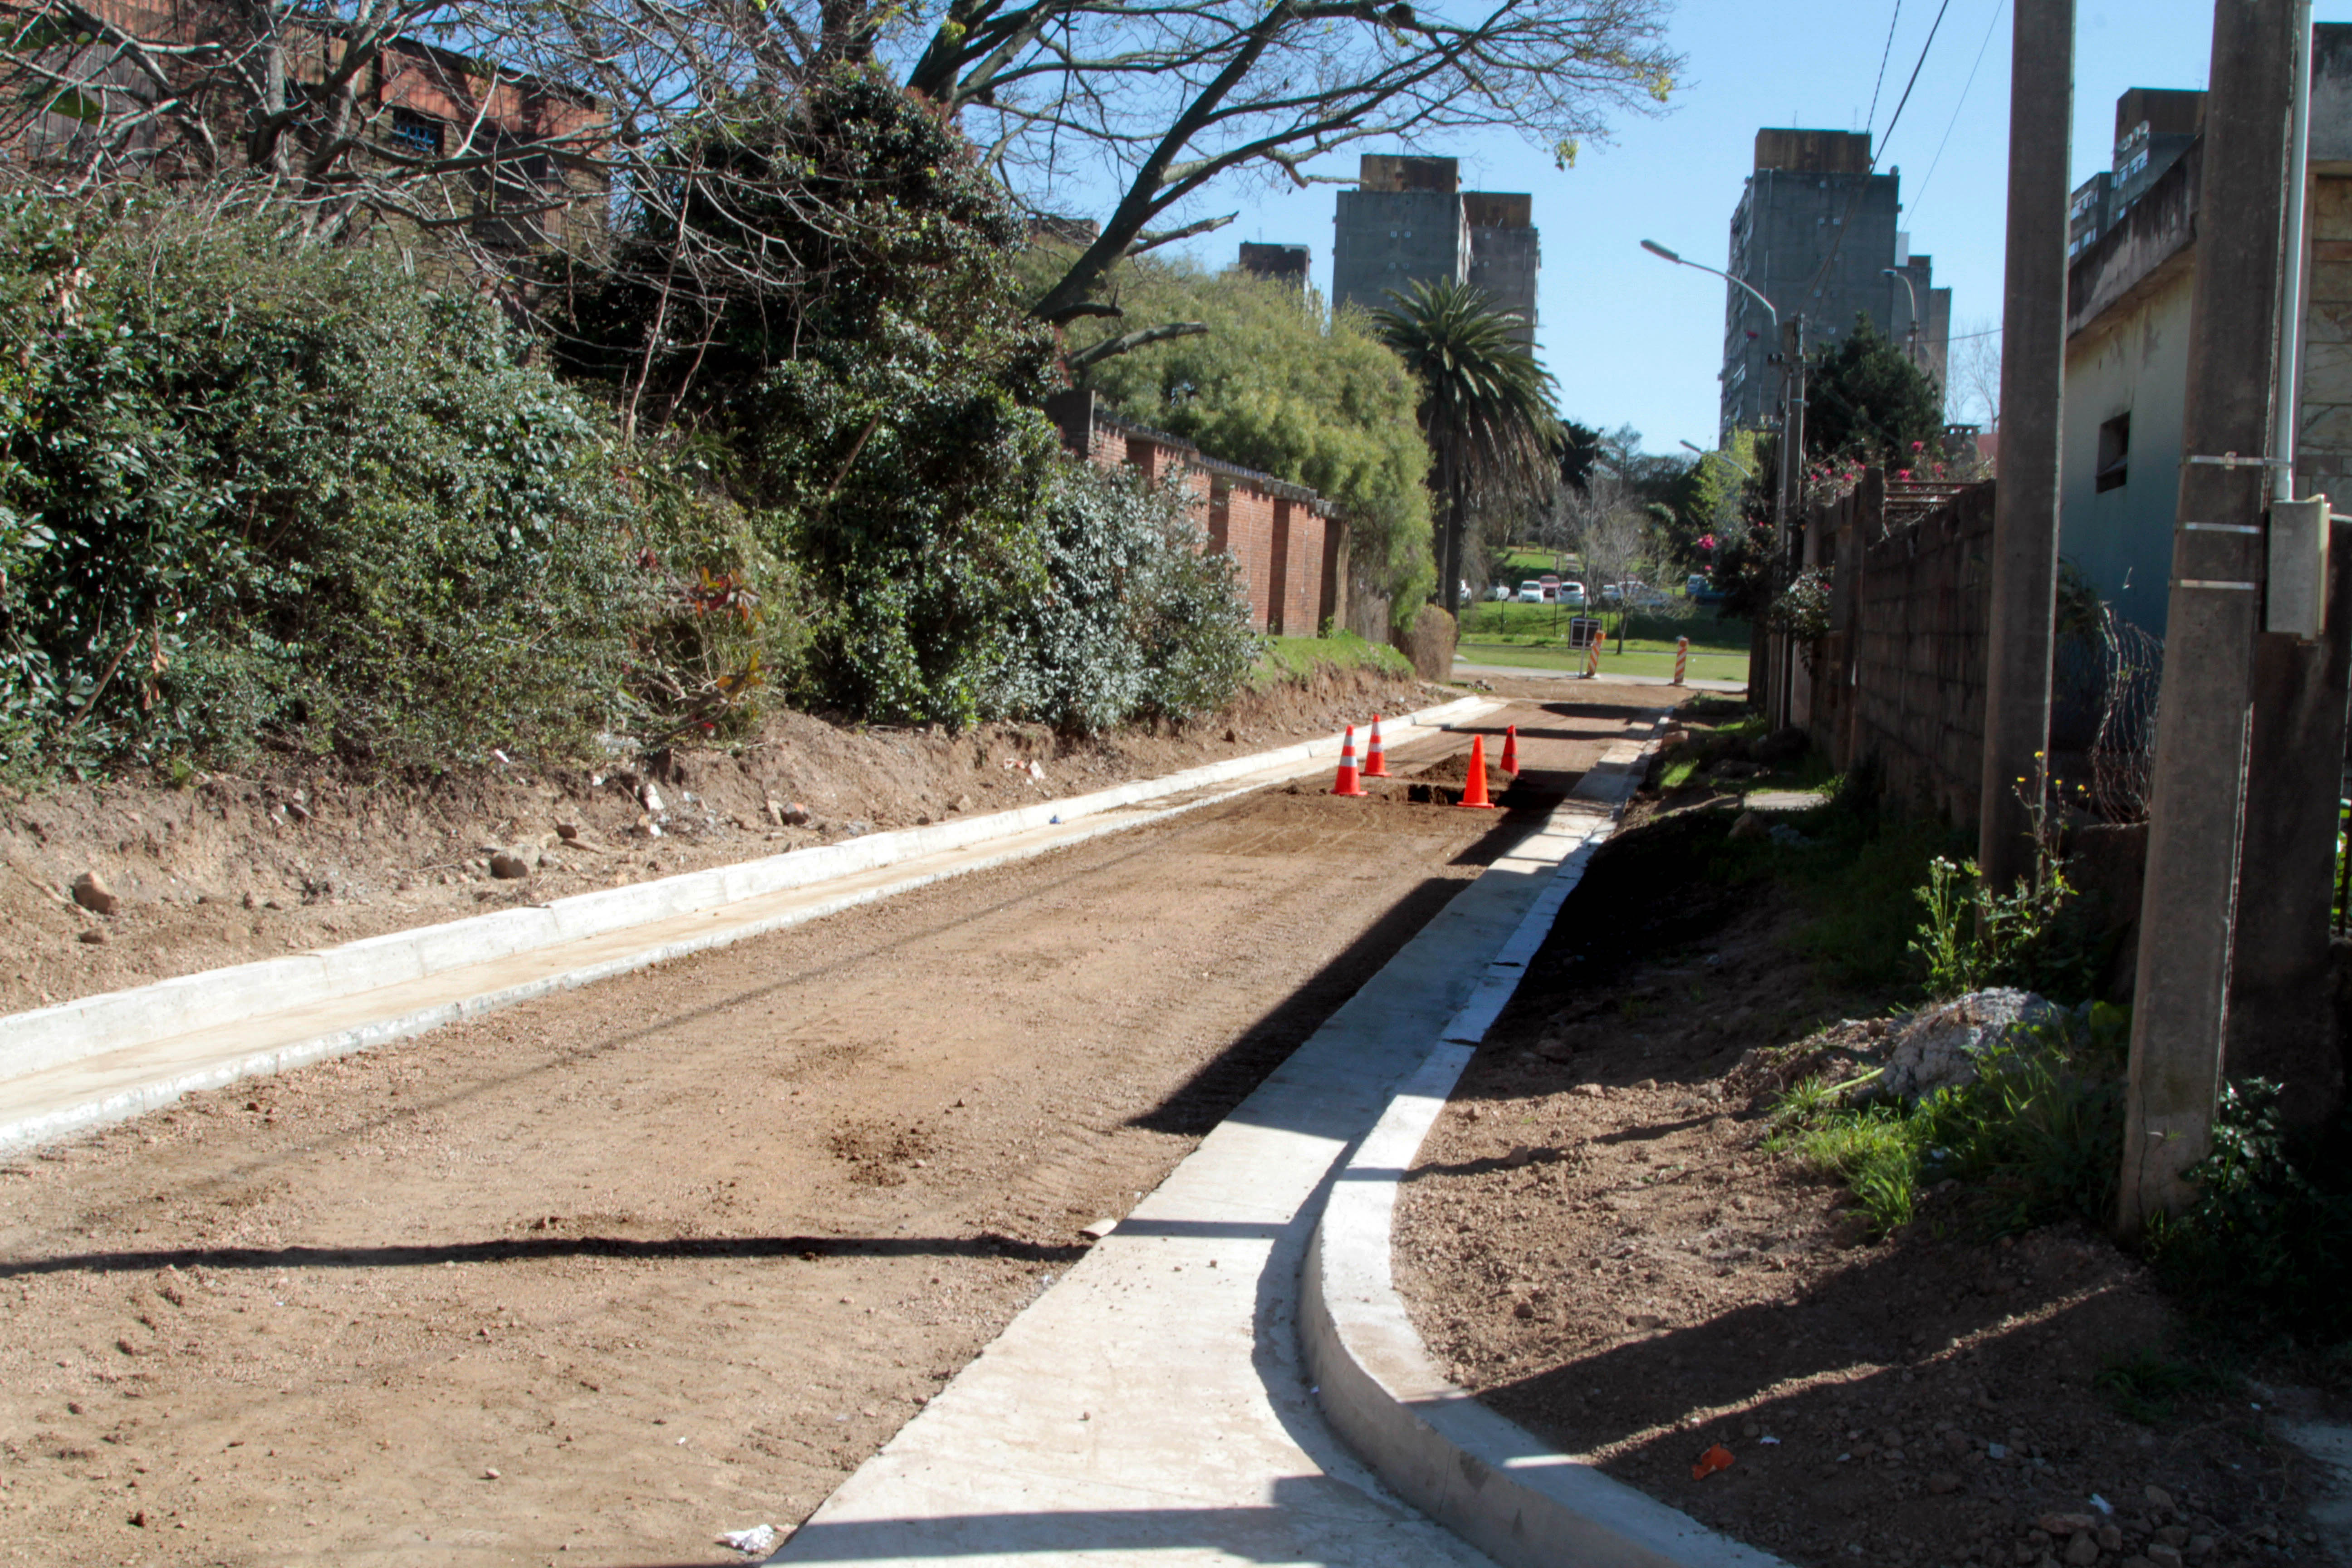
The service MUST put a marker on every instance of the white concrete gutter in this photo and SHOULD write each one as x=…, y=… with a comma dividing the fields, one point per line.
x=1488, y=1479
x=120, y=1054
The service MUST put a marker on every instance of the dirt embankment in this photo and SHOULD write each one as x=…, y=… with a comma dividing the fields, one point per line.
x=1595, y=1241
x=228, y=868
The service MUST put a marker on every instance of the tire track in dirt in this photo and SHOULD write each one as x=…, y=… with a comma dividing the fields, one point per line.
x=671, y=1254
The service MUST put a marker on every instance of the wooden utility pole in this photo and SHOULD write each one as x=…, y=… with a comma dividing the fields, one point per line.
x=2025, y=498
x=2188, y=914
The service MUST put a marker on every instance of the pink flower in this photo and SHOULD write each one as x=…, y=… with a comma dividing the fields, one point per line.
x=1902, y=473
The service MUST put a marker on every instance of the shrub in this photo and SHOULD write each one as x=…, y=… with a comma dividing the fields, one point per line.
x=257, y=491
x=2268, y=1242
x=1135, y=618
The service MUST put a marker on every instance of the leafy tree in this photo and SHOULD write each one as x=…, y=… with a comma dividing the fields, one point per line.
x=834, y=302
x=1865, y=399
x=1486, y=408
x=1277, y=383
x=1579, y=449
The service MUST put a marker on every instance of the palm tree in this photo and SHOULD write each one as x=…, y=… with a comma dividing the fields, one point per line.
x=1485, y=407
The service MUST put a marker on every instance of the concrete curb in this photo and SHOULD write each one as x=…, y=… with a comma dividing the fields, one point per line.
x=201, y=1029
x=1488, y=1479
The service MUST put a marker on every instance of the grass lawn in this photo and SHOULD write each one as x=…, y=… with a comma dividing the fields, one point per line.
x=1297, y=659
x=1640, y=657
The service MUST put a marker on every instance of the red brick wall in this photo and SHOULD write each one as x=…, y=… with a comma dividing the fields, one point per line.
x=1302, y=588
x=1249, y=540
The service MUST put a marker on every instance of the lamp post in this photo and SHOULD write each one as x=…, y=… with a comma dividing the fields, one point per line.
x=1905, y=279
x=1768, y=691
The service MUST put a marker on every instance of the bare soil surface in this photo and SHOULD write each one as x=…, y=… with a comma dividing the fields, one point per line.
x=1594, y=1242
x=599, y=1276
x=225, y=869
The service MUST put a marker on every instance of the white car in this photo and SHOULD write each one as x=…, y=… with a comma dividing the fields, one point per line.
x=1499, y=591
x=1572, y=594
x=1639, y=594
x=1532, y=592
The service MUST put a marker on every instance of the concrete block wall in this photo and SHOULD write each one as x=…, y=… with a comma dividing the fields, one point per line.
x=1915, y=650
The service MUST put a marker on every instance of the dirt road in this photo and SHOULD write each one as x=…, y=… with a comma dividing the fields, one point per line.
x=591, y=1281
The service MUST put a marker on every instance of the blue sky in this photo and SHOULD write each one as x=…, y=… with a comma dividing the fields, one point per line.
x=1635, y=341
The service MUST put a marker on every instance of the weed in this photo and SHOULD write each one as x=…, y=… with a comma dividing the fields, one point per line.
x=2037, y=1137
x=2145, y=1386
x=1678, y=773
x=2268, y=1241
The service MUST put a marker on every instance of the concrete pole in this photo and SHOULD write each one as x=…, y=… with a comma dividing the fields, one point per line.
x=2188, y=911
x=2025, y=500
x=1792, y=516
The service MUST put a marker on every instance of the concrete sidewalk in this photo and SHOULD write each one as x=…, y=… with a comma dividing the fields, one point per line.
x=1151, y=1403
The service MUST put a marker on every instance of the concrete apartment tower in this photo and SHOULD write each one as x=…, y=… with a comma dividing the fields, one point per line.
x=1410, y=221
x=2154, y=126
x=1813, y=199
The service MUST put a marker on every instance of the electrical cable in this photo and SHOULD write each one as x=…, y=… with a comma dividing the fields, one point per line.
x=1921, y=194
x=1877, y=151
x=1884, y=56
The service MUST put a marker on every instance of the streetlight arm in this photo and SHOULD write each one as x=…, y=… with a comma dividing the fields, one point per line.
x=1654, y=248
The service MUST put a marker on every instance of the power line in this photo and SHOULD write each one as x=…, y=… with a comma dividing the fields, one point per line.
x=1919, y=196
x=1883, y=55
x=1878, y=151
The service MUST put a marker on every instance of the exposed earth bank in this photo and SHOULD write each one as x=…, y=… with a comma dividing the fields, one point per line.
x=225, y=869
x=1595, y=1242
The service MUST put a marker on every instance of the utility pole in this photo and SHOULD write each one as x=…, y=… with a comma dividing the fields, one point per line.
x=2025, y=499
x=2188, y=914
x=2282, y=1017
x=1781, y=648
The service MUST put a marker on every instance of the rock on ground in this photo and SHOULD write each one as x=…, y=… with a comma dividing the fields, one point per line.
x=1939, y=1046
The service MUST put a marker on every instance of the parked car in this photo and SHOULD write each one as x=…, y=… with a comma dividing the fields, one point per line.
x=1532, y=592
x=1641, y=596
x=1700, y=590
x=1499, y=591
x=1572, y=595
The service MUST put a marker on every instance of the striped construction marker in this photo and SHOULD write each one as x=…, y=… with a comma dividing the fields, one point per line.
x=1682, y=659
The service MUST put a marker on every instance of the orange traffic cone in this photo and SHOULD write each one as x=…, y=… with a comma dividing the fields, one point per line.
x=1376, y=761
x=1511, y=750
x=1473, y=797
x=1347, y=784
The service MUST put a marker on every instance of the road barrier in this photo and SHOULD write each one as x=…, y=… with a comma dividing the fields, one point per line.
x=1474, y=794
x=1376, y=761
x=1347, y=784
x=1681, y=659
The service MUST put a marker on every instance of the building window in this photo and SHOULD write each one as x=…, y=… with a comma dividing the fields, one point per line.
x=2114, y=453
x=419, y=135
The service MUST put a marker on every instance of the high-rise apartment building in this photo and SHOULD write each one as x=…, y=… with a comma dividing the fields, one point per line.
x=1408, y=220
x=2153, y=127
x=1819, y=234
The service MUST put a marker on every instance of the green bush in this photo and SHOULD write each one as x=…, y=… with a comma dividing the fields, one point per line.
x=1135, y=618
x=2268, y=1243
x=250, y=489
x=828, y=298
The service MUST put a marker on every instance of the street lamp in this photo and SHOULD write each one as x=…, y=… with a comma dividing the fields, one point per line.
x=1904, y=277
x=1654, y=248
x=1791, y=461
